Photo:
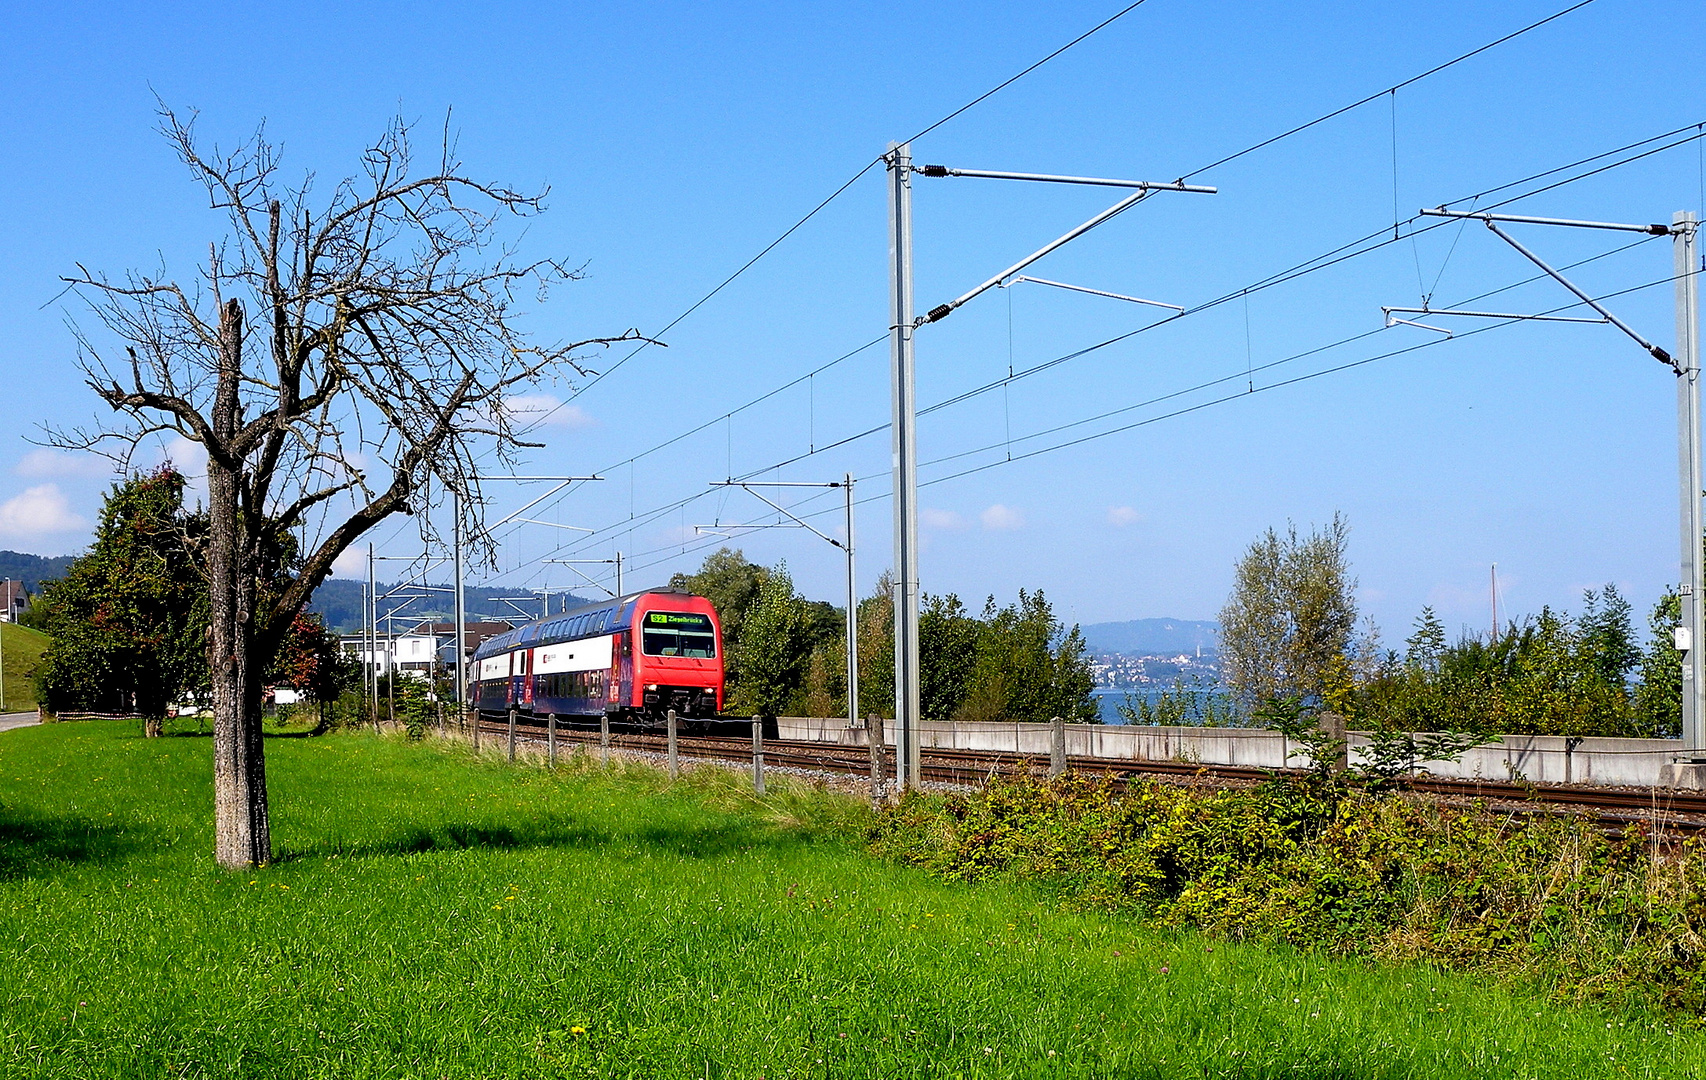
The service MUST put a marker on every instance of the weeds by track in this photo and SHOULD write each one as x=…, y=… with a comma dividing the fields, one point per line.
x=1667, y=812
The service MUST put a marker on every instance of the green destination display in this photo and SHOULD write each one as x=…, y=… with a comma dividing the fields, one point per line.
x=679, y=620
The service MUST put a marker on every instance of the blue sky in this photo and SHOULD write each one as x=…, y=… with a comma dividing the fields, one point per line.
x=680, y=139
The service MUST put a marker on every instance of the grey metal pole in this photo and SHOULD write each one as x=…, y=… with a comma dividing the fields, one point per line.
x=904, y=412
x=1684, y=247
x=604, y=739
x=1057, y=746
x=461, y=621
x=852, y=615
x=758, y=754
x=373, y=622
x=674, y=762
x=551, y=738
x=618, y=573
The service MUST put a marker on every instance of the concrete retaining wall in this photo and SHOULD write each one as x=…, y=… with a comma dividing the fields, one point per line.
x=1542, y=759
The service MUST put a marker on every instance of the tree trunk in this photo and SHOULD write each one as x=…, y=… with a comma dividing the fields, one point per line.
x=240, y=829
x=151, y=726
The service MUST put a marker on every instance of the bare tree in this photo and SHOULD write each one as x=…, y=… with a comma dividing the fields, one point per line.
x=332, y=359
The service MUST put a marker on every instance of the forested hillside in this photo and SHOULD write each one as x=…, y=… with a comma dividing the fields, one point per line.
x=32, y=570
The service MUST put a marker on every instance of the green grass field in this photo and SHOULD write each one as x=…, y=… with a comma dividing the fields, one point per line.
x=436, y=916
x=22, y=649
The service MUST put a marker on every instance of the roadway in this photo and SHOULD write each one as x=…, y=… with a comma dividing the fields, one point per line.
x=11, y=720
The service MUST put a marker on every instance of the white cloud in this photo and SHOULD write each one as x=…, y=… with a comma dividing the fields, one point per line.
x=43, y=462
x=1122, y=516
x=351, y=564
x=940, y=519
x=1002, y=518
x=39, y=511
x=546, y=409
x=189, y=456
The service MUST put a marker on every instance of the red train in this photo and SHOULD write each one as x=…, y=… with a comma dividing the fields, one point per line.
x=631, y=658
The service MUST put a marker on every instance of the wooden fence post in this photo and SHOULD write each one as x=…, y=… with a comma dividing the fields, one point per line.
x=874, y=737
x=674, y=764
x=1057, y=747
x=551, y=737
x=512, y=733
x=604, y=739
x=758, y=754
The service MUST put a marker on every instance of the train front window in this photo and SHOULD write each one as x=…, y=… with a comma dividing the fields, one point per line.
x=678, y=633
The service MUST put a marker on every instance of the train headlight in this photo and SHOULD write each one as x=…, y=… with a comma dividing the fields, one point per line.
x=651, y=686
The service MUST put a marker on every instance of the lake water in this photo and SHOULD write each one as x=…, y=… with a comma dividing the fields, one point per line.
x=1109, y=699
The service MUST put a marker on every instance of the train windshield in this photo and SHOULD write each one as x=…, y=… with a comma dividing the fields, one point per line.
x=678, y=633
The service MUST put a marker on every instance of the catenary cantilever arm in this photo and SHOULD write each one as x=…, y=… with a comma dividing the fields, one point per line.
x=781, y=509
x=1657, y=352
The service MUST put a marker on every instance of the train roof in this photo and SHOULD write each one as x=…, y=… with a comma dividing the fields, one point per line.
x=601, y=616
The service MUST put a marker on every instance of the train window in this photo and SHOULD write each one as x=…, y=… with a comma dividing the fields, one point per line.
x=678, y=633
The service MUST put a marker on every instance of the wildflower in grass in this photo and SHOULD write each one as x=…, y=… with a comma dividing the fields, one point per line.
x=577, y=1030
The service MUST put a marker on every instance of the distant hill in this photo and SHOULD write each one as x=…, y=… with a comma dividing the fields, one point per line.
x=338, y=602
x=1152, y=637
x=32, y=570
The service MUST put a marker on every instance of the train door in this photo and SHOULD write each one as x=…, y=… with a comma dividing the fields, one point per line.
x=525, y=659
x=622, y=670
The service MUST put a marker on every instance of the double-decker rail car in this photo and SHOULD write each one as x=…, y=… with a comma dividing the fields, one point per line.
x=631, y=658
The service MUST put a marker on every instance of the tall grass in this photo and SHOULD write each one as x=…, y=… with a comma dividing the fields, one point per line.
x=436, y=915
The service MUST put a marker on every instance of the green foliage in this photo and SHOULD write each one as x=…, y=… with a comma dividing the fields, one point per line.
x=437, y=915
x=1291, y=614
x=1028, y=666
x=770, y=665
x=312, y=661
x=1537, y=900
x=787, y=654
x=948, y=641
x=416, y=710
x=128, y=619
x=1546, y=675
x=1658, y=695
x=876, y=650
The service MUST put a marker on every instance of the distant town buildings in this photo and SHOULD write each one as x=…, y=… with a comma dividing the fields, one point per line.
x=1121, y=672
x=417, y=650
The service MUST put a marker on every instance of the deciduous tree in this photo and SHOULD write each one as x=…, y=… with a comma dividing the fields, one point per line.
x=129, y=618
x=338, y=352
x=1291, y=614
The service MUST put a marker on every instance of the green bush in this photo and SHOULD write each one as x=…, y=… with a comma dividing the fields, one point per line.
x=1542, y=899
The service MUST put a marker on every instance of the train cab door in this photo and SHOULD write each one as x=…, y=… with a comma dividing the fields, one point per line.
x=622, y=670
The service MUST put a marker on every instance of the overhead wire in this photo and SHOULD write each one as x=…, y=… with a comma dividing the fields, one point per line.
x=1200, y=406
x=837, y=193
x=680, y=549
x=1394, y=88
x=1334, y=257
x=1361, y=246
x=1008, y=82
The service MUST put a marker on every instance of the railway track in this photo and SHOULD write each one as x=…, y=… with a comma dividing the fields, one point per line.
x=1667, y=810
